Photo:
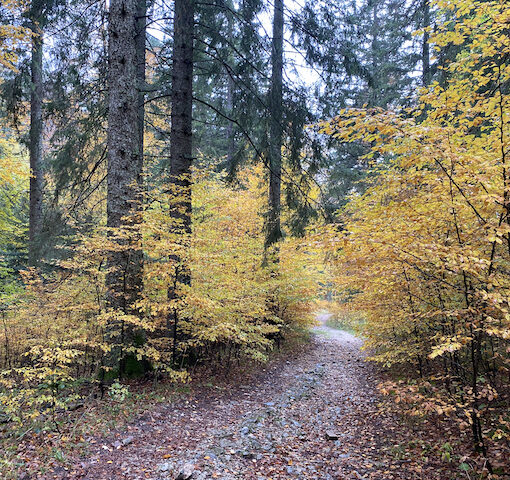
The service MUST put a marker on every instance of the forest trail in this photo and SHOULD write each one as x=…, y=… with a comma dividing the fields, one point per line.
x=314, y=415
x=339, y=336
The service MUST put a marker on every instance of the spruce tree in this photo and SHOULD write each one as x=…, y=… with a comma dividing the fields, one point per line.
x=35, y=145
x=181, y=153
x=124, y=280
x=274, y=162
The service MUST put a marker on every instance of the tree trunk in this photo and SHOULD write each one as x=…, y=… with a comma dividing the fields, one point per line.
x=124, y=278
x=181, y=150
x=375, y=98
x=230, y=126
x=425, y=51
x=274, y=233
x=36, y=143
x=141, y=27
x=229, y=103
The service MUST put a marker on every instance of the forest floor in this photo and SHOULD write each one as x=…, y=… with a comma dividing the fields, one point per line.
x=313, y=415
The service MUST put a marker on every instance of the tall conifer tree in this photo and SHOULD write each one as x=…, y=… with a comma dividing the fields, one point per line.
x=124, y=171
x=274, y=232
x=181, y=153
x=35, y=145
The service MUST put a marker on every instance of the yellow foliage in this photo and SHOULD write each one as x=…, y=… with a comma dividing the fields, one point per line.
x=426, y=250
x=228, y=303
x=12, y=34
x=60, y=330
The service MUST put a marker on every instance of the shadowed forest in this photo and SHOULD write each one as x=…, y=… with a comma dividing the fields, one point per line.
x=254, y=239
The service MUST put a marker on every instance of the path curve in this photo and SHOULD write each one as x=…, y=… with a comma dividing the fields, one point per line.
x=313, y=416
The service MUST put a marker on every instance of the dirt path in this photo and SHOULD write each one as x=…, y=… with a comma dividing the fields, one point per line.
x=314, y=416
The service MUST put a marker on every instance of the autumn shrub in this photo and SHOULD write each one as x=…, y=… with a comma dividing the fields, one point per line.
x=14, y=176
x=61, y=333
x=53, y=339
x=227, y=309
x=428, y=245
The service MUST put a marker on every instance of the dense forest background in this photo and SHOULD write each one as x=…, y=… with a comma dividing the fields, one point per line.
x=181, y=182
x=123, y=115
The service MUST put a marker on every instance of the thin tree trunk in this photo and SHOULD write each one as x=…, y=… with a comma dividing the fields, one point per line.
x=275, y=129
x=36, y=144
x=375, y=98
x=425, y=52
x=230, y=126
x=124, y=278
x=230, y=104
x=181, y=150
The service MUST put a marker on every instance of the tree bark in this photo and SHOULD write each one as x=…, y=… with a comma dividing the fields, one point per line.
x=229, y=103
x=425, y=51
x=274, y=233
x=375, y=84
x=141, y=28
x=124, y=278
x=36, y=142
x=181, y=150
x=230, y=126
